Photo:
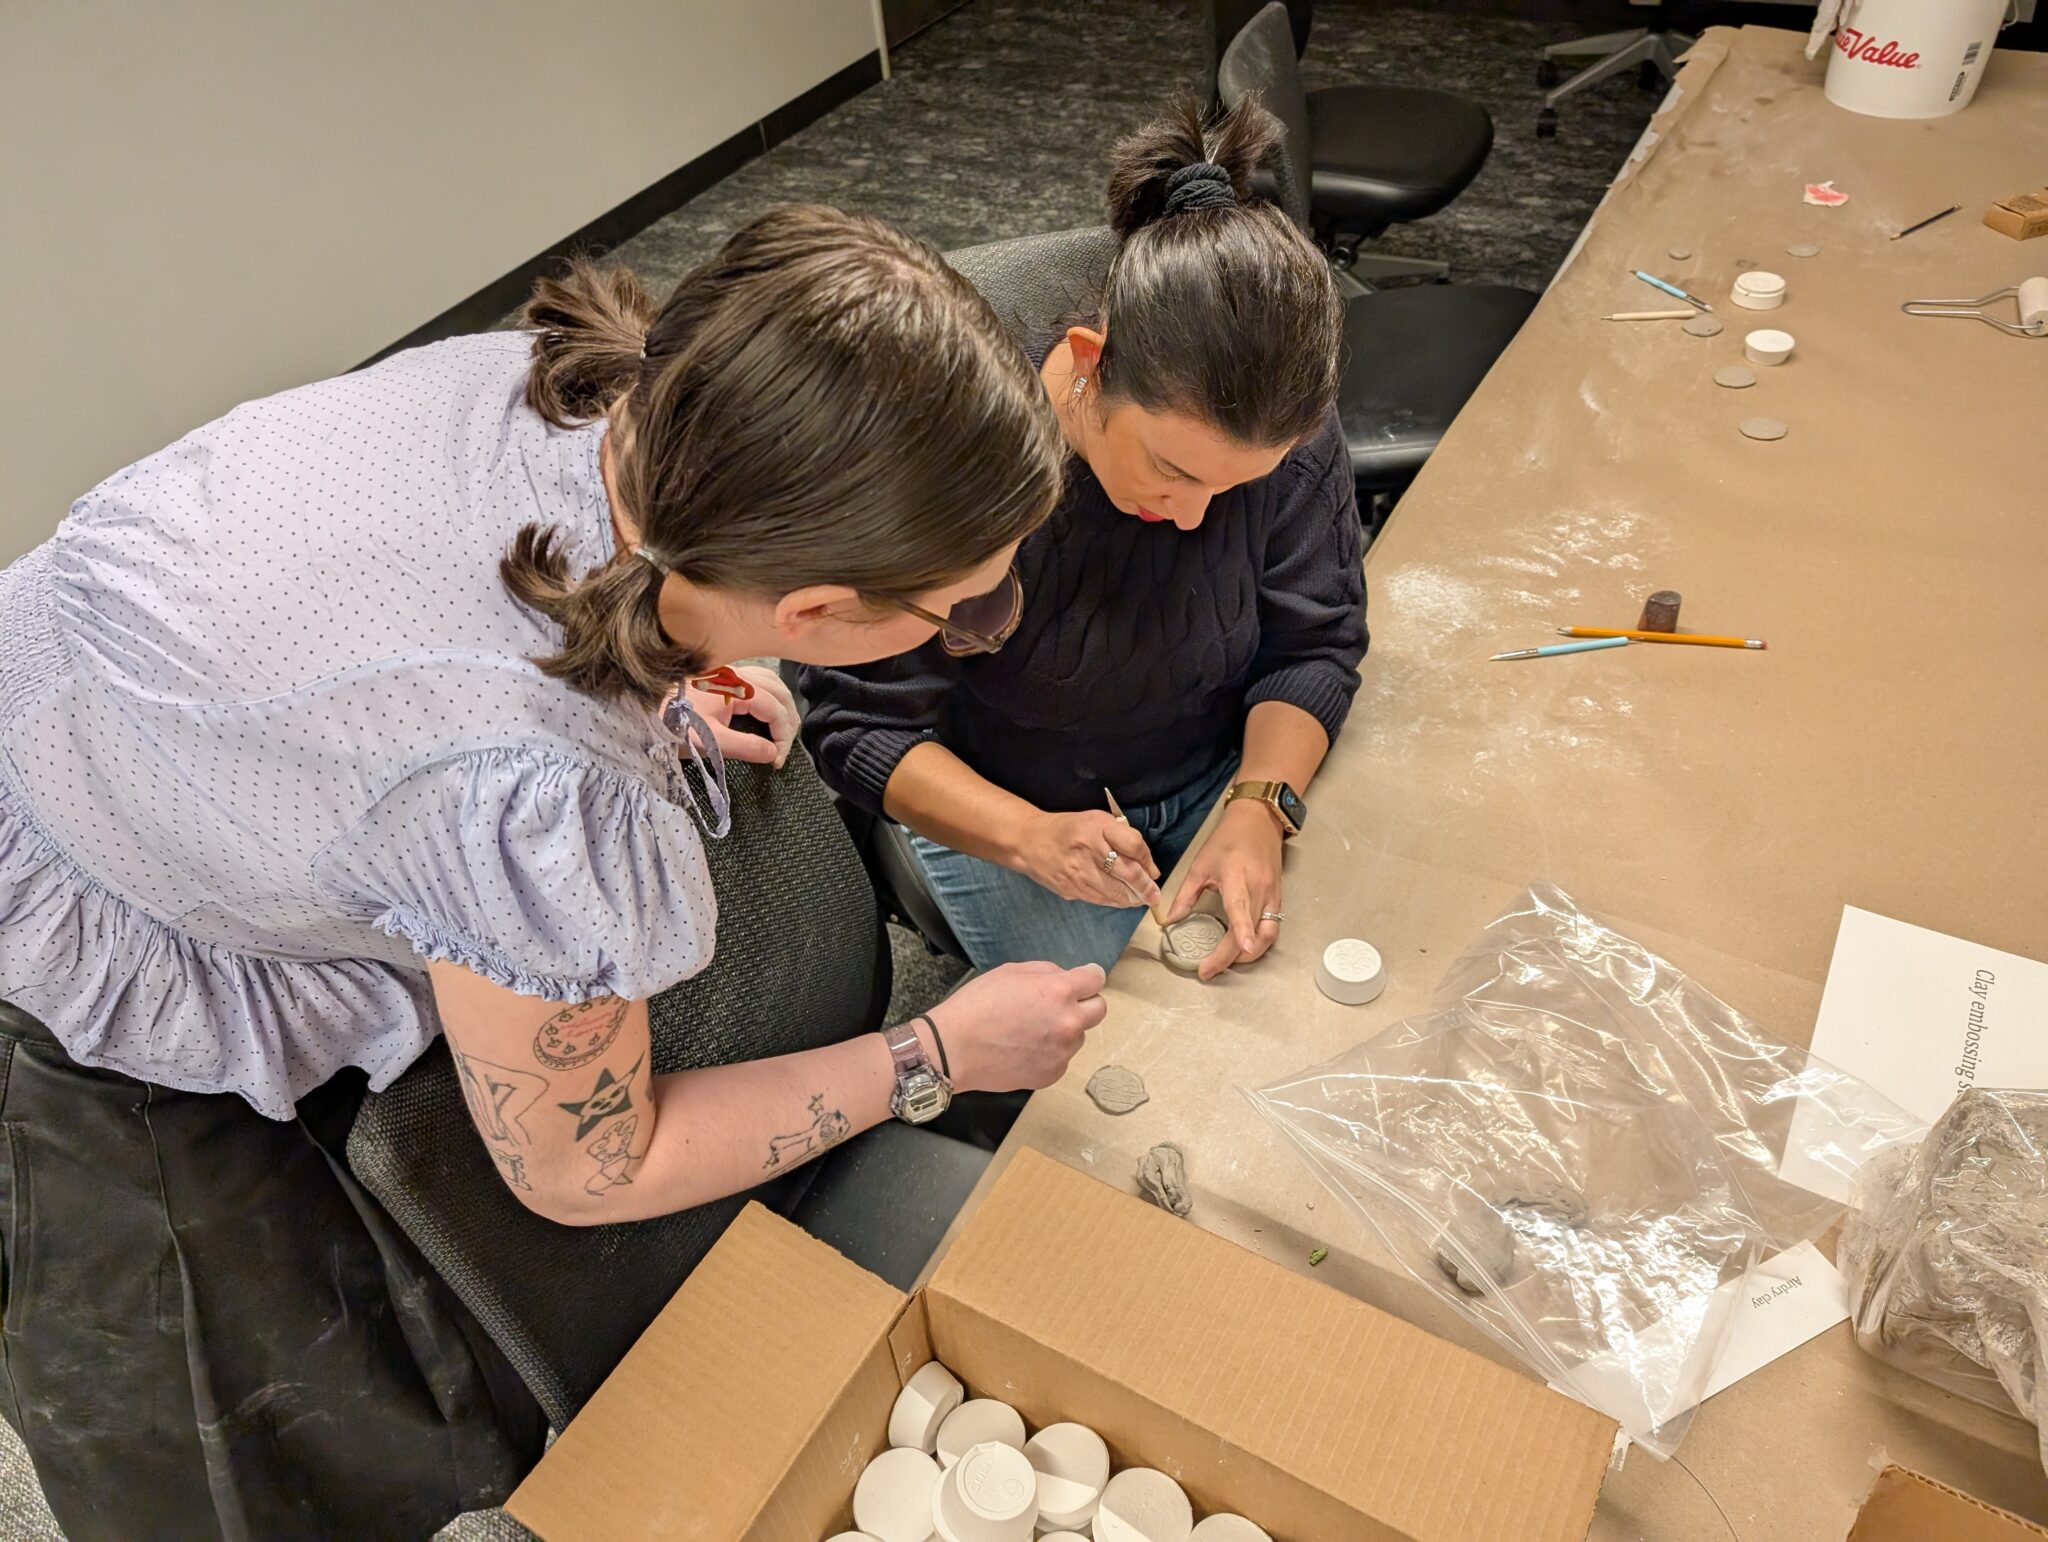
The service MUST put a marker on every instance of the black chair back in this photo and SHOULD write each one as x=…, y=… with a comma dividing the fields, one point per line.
x=1260, y=60
x=1037, y=283
x=1222, y=20
x=802, y=961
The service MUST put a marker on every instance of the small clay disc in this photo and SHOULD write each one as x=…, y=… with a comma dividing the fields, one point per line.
x=1735, y=377
x=1803, y=250
x=1188, y=941
x=1117, y=1089
x=1680, y=253
x=1703, y=326
x=1762, y=428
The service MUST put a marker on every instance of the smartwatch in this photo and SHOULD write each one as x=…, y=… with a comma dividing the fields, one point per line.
x=923, y=1091
x=1283, y=801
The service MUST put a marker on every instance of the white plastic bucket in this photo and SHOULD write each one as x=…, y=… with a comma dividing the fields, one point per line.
x=1911, y=58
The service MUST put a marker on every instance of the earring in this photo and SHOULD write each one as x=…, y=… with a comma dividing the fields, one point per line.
x=1080, y=384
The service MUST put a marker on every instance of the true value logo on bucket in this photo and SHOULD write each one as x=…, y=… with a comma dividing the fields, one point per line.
x=1860, y=45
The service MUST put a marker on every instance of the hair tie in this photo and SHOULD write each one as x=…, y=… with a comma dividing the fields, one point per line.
x=653, y=561
x=1204, y=185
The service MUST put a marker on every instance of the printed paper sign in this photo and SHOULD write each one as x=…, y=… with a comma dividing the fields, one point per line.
x=1922, y=1016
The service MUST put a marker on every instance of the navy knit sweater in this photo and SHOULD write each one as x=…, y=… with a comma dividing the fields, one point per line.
x=1139, y=650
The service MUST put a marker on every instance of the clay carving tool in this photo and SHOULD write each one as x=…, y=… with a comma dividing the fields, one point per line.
x=1945, y=213
x=1157, y=914
x=1650, y=316
x=1552, y=650
x=1671, y=289
x=1663, y=637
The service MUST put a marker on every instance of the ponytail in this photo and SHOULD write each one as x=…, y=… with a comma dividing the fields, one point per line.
x=613, y=644
x=590, y=341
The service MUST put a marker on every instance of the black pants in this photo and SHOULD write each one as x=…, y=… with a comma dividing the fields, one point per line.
x=208, y=1328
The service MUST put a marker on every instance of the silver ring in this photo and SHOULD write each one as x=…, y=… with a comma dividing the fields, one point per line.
x=1109, y=862
x=1272, y=915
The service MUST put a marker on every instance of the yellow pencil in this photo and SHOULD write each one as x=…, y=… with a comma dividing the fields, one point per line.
x=1670, y=637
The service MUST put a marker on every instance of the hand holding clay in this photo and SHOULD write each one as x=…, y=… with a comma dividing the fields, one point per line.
x=772, y=706
x=1241, y=861
x=1068, y=854
x=1016, y=1027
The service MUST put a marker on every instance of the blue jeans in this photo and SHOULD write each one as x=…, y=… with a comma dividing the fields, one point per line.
x=1003, y=917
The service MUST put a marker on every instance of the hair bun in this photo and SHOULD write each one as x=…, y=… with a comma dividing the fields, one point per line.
x=1204, y=185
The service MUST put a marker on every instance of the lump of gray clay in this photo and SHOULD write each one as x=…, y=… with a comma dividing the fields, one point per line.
x=1763, y=428
x=1479, y=1239
x=1117, y=1090
x=1546, y=1196
x=1163, y=1176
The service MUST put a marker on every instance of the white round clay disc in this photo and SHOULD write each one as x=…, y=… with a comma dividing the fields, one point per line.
x=1072, y=1463
x=893, y=1500
x=989, y=1495
x=977, y=1423
x=1351, y=971
x=1061, y=1536
x=851, y=1536
x=1735, y=376
x=1680, y=253
x=1188, y=941
x=1229, y=1528
x=1803, y=250
x=1703, y=326
x=1143, y=1504
x=1762, y=428
x=922, y=1406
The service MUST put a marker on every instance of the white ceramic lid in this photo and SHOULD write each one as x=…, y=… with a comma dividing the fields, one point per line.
x=1351, y=971
x=1769, y=340
x=1759, y=283
x=893, y=1500
x=1142, y=1504
x=1072, y=1465
x=976, y=1421
x=923, y=1405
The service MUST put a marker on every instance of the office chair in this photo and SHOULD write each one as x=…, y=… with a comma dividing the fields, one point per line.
x=1377, y=155
x=1653, y=51
x=1411, y=356
x=801, y=962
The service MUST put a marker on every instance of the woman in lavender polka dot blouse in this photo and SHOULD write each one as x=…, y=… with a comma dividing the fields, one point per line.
x=352, y=718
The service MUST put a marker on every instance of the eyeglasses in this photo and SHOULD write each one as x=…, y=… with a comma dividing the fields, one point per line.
x=981, y=623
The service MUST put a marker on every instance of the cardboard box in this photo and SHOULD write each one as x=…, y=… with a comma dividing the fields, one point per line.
x=2022, y=216
x=1906, y=1506
x=749, y=1407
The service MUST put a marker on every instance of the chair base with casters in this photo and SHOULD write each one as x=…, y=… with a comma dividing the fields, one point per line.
x=802, y=962
x=1639, y=48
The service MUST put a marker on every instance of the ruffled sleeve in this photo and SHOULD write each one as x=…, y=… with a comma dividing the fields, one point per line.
x=548, y=874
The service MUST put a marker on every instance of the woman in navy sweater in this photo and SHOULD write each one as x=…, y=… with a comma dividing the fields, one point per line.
x=1190, y=621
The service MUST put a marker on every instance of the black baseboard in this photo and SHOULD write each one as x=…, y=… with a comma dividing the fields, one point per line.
x=480, y=311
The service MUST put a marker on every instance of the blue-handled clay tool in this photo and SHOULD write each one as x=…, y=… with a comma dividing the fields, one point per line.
x=1553, y=649
x=1671, y=289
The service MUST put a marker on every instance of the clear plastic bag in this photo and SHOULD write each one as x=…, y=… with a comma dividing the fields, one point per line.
x=1946, y=1254
x=1577, y=1148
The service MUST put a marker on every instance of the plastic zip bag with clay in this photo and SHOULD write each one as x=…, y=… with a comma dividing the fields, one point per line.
x=1576, y=1151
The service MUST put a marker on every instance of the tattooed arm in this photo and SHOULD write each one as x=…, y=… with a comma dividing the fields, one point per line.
x=584, y=1132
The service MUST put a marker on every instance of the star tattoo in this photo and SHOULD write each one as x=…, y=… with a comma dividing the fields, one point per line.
x=612, y=1095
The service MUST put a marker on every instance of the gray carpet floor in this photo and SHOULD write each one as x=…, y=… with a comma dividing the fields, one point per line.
x=996, y=123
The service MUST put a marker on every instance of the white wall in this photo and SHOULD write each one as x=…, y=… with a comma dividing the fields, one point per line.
x=207, y=200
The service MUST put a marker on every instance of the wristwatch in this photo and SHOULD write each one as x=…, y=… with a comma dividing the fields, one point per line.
x=923, y=1091
x=1284, y=802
